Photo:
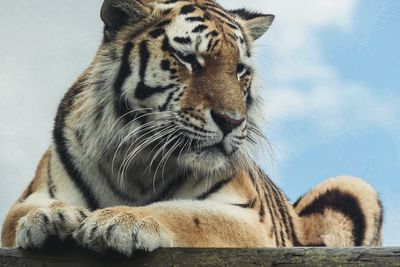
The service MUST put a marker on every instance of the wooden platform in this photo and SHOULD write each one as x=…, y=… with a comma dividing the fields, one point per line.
x=315, y=257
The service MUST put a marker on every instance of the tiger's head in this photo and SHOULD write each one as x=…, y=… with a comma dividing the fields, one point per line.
x=182, y=77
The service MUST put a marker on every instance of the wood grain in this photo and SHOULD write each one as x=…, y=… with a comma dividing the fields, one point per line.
x=315, y=257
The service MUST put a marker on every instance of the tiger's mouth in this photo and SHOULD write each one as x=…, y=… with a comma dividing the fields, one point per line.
x=215, y=148
x=198, y=147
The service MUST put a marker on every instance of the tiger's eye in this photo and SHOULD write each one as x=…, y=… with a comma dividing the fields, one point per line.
x=241, y=70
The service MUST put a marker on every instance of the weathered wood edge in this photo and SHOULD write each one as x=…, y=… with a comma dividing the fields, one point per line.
x=324, y=257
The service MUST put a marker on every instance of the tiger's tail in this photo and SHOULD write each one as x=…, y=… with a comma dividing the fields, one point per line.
x=341, y=212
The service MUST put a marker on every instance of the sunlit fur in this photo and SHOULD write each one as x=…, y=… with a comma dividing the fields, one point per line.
x=154, y=146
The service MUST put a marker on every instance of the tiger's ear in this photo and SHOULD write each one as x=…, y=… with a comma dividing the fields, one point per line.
x=256, y=23
x=118, y=13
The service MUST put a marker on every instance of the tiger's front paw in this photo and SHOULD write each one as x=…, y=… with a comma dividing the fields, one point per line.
x=40, y=224
x=122, y=229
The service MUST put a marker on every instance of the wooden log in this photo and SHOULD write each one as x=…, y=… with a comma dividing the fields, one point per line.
x=324, y=257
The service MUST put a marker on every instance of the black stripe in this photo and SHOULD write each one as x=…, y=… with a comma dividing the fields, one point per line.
x=267, y=199
x=212, y=4
x=233, y=36
x=200, y=28
x=215, y=45
x=380, y=219
x=295, y=240
x=233, y=26
x=261, y=211
x=285, y=214
x=125, y=71
x=344, y=203
x=83, y=215
x=61, y=216
x=164, y=23
x=248, y=54
x=156, y=33
x=276, y=210
x=142, y=90
x=291, y=229
x=30, y=188
x=196, y=19
x=265, y=195
x=215, y=188
x=221, y=13
x=165, y=65
x=187, y=9
x=171, y=2
x=92, y=232
x=380, y=214
x=273, y=207
x=167, y=101
x=249, y=205
x=50, y=183
x=62, y=148
x=295, y=204
x=183, y=40
x=213, y=33
x=249, y=98
x=166, y=47
x=281, y=204
x=46, y=219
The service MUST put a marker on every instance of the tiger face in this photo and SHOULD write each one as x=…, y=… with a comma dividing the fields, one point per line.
x=184, y=74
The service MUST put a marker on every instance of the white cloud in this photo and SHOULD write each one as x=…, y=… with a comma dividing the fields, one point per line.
x=334, y=107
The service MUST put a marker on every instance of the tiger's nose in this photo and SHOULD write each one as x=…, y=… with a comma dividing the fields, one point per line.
x=226, y=123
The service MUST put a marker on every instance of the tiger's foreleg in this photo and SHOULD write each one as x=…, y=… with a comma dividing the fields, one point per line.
x=31, y=226
x=39, y=216
x=171, y=224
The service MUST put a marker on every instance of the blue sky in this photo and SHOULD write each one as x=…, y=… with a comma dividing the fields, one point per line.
x=369, y=54
x=330, y=73
x=356, y=131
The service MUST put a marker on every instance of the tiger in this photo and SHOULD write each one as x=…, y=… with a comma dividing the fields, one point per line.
x=154, y=146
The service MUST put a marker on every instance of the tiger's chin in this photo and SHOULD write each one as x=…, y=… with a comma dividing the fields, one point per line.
x=207, y=161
